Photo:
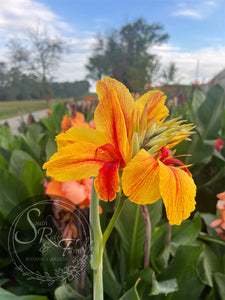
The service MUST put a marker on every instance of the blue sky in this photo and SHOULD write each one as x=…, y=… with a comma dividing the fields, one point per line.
x=196, y=29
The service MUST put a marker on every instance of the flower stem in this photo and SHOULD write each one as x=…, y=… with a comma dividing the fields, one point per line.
x=146, y=217
x=96, y=242
x=115, y=216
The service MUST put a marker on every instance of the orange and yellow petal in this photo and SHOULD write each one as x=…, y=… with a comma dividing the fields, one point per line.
x=124, y=97
x=178, y=191
x=73, y=162
x=107, y=181
x=155, y=101
x=140, y=179
x=109, y=119
x=81, y=134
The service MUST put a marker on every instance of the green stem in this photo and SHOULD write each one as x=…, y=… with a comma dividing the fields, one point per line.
x=96, y=241
x=115, y=216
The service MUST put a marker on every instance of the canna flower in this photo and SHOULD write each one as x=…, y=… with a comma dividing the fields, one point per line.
x=132, y=142
x=220, y=223
x=68, y=122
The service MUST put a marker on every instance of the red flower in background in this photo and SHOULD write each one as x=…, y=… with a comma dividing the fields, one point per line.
x=219, y=144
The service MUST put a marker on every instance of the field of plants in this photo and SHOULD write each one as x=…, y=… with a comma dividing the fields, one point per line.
x=46, y=250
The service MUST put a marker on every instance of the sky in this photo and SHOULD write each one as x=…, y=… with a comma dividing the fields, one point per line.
x=196, y=29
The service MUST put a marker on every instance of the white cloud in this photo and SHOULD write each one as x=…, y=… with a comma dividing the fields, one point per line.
x=210, y=61
x=17, y=16
x=188, y=13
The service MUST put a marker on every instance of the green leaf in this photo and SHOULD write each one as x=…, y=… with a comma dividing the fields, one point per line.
x=159, y=251
x=50, y=147
x=17, y=161
x=209, y=113
x=198, y=100
x=131, y=229
x=187, y=232
x=111, y=285
x=163, y=287
x=65, y=292
x=12, y=191
x=223, y=123
x=183, y=268
x=5, y=295
x=132, y=293
x=53, y=123
x=34, y=297
x=219, y=286
x=7, y=139
x=207, y=264
x=31, y=176
x=30, y=142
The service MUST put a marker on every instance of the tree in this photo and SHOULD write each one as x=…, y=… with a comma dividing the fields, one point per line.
x=125, y=54
x=169, y=73
x=39, y=56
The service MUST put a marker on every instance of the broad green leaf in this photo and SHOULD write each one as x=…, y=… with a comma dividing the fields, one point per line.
x=53, y=123
x=31, y=176
x=145, y=284
x=183, y=268
x=163, y=287
x=34, y=297
x=5, y=295
x=131, y=228
x=12, y=191
x=17, y=161
x=210, y=113
x=219, y=285
x=50, y=147
x=159, y=251
x=207, y=264
x=30, y=142
x=5, y=154
x=201, y=151
x=198, y=100
x=132, y=293
x=65, y=292
x=111, y=285
x=223, y=124
x=3, y=163
x=7, y=139
x=187, y=232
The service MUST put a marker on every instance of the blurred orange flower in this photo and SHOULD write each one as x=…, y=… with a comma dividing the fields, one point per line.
x=78, y=120
x=220, y=223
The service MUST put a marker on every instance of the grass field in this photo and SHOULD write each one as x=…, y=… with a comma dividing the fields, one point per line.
x=15, y=108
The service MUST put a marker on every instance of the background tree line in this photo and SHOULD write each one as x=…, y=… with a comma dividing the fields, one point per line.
x=124, y=54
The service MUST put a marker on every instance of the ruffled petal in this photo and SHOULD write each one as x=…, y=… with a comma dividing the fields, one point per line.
x=124, y=97
x=74, y=191
x=140, y=179
x=74, y=161
x=178, y=191
x=109, y=119
x=107, y=181
x=54, y=189
x=84, y=134
x=155, y=101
